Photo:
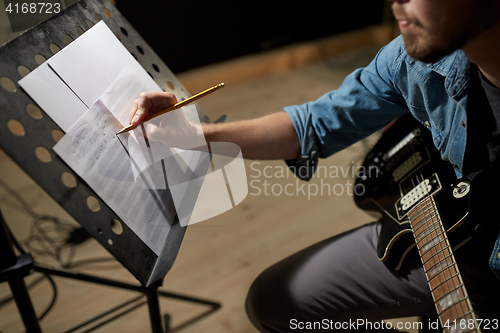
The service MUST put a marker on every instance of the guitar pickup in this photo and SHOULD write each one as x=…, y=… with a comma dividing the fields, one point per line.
x=407, y=166
x=412, y=195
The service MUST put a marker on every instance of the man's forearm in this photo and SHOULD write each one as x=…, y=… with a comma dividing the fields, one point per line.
x=266, y=138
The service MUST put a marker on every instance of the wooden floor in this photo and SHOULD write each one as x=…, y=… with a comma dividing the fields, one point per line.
x=219, y=258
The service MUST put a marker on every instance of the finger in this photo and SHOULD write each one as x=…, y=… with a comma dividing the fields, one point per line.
x=150, y=103
x=133, y=110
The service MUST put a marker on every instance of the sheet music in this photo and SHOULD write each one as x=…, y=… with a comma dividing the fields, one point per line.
x=64, y=87
x=148, y=156
x=118, y=98
x=144, y=182
x=92, y=150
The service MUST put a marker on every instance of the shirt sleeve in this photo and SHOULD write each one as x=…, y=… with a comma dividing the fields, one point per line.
x=367, y=100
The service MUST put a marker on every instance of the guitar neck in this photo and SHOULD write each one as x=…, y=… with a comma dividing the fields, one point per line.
x=447, y=288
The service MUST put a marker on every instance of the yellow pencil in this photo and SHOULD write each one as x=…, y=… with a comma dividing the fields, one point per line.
x=175, y=106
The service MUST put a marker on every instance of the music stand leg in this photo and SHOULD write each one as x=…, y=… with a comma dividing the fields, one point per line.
x=24, y=305
x=154, y=309
x=13, y=270
x=152, y=293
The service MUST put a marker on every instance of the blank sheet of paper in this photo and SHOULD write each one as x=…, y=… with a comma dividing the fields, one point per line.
x=59, y=102
x=68, y=83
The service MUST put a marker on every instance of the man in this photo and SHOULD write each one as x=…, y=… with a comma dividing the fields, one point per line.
x=445, y=69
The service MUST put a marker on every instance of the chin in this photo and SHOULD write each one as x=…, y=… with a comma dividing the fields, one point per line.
x=426, y=50
x=429, y=56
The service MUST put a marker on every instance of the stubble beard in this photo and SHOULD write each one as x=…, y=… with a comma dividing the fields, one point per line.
x=431, y=48
x=432, y=42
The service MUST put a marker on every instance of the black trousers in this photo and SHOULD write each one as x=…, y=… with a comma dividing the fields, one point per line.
x=340, y=283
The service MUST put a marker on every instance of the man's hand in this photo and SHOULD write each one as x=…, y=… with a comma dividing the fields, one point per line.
x=269, y=137
x=174, y=129
x=150, y=103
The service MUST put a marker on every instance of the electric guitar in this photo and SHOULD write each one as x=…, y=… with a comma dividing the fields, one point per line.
x=423, y=205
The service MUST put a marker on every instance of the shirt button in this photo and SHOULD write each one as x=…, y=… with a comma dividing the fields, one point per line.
x=428, y=124
x=498, y=255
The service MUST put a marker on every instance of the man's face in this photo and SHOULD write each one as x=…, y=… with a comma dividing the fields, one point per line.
x=432, y=29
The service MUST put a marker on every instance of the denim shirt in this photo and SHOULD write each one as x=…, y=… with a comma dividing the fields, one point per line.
x=392, y=85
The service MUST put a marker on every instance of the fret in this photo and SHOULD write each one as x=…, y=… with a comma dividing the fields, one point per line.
x=437, y=281
x=416, y=214
x=423, y=212
x=465, y=315
x=449, y=299
x=429, y=239
x=440, y=267
x=459, y=311
x=421, y=227
x=426, y=232
x=420, y=212
x=431, y=244
x=431, y=258
x=449, y=272
x=419, y=222
x=444, y=252
x=468, y=316
x=429, y=233
x=433, y=248
x=444, y=288
x=446, y=297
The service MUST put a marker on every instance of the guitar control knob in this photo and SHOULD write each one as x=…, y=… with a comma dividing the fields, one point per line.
x=461, y=190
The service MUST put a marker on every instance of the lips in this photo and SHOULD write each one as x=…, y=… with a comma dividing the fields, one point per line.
x=403, y=23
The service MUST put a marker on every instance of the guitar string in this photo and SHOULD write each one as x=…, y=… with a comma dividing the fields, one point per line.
x=429, y=205
x=415, y=223
x=428, y=201
x=430, y=220
x=424, y=223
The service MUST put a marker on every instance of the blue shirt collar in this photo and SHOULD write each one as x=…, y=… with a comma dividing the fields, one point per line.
x=455, y=68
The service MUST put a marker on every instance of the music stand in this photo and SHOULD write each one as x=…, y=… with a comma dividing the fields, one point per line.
x=32, y=151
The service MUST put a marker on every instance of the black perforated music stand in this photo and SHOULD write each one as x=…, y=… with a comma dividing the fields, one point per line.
x=37, y=137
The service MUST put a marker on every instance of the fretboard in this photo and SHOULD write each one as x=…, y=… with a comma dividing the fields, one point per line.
x=447, y=288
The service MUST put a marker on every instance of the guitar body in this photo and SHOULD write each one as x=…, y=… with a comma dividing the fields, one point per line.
x=401, y=168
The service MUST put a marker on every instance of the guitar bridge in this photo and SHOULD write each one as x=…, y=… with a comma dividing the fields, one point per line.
x=412, y=194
